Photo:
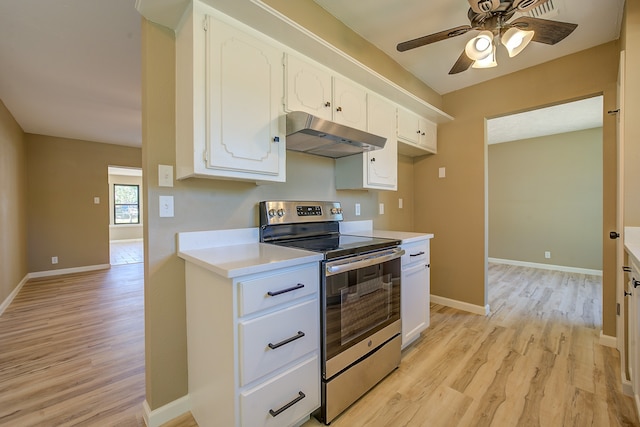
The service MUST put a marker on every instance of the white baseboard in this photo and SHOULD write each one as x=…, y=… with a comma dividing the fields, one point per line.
x=62, y=271
x=546, y=266
x=127, y=240
x=12, y=295
x=608, y=341
x=460, y=305
x=627, y=387
x=165, y=413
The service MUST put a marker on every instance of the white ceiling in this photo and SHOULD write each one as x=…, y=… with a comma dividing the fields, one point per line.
x=72, y=68
x=386, y=23
x=569, y=117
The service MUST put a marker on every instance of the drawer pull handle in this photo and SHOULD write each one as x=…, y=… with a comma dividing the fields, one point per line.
x=284, y=291
x=288, y=405
x=418, y=254
x=297, y=336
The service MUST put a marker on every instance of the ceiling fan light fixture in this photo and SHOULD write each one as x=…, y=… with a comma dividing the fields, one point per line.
x=488, y=61
x=480, y=46
x=515, y=40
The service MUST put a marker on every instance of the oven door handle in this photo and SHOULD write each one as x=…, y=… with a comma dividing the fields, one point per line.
x=362, y=261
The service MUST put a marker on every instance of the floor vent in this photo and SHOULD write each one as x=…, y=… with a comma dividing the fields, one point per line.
x=546, y=10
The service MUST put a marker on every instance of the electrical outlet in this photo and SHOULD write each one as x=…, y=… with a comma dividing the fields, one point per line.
x=547, y=254
x=166, y=206
x=54, y=260
x=399, y=203
x=357, y=209
x=381, y=208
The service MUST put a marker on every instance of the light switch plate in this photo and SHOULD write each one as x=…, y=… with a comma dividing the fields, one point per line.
x=166, y=206
x=441, y=172
x=165, y=176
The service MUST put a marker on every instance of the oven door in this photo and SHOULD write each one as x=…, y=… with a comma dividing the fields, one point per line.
x=361, y=307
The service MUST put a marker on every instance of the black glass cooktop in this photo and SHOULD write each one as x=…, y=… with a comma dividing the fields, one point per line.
x=340, y=245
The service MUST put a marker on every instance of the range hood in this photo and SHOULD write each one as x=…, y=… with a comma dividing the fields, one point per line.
x=313, y=135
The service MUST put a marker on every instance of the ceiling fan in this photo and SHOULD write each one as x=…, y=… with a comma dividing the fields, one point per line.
x=491, y=18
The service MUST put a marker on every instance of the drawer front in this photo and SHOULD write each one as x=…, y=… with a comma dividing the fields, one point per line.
x=283, y=396
x=275, y=340
x=270, y=290
x=415, y=253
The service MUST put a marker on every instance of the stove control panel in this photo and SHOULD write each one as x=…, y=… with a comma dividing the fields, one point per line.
x=288, y=212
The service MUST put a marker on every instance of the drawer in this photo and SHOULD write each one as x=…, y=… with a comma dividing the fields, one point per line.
x=415, y=253
x=293, y=331
x=276, y=393
x=281, y=287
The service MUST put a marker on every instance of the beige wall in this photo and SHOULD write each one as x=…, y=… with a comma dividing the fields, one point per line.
x=454, y=208
x=64, y=176
x=545, y=194
x=13, y=204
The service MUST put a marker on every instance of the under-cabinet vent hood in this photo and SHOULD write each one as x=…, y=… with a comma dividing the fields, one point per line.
x=313, y=135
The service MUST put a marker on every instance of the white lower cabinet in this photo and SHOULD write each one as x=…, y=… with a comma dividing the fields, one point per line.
x=284, y=399
x=415, y=290
x=253, y=346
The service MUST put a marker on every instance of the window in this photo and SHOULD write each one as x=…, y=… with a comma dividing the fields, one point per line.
x=126, y=204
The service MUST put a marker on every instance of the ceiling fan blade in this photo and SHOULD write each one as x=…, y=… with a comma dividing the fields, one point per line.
x=462, y=64
x=432, y=38
x=526, y=5
x=484, y=6
x=546, y=31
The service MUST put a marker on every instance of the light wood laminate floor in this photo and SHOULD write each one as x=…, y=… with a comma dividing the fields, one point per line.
x=72, y=353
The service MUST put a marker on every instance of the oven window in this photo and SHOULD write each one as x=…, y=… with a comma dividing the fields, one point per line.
x=364, y=306
x=359, y=303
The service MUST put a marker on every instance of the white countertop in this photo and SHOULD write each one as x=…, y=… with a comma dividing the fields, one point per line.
x=632, y=242
x=405, y=236
x=234, y=253
x=249, y=258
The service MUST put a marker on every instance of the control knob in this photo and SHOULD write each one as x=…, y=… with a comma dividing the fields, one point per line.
x=272, y=213
x=280, y=212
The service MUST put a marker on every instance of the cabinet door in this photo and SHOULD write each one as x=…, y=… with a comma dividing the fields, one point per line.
x=428, y=135
x=307, y=88
x=382, y=165
x=349, y=104
x=414, y=302
x=244, y=86
x=408, y=126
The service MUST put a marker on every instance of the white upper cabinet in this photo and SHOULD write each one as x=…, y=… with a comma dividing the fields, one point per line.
x=417, y=136
x=308, y=88
x=349, y=104
x=230, y=120
x=383, y=164
x=376, y=169
x=316, y=91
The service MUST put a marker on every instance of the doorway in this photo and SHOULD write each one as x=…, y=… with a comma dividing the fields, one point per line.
x=125, y=216
x=545, y=188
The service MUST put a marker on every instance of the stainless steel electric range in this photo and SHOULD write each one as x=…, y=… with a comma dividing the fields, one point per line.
x=359, y=297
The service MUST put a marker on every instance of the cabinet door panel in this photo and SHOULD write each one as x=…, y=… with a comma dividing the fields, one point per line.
x=349, y=104
x=414, y=302
x=275, y=394
x=308, y=89
x=243, y=86
x=408, y=126
x=383, y=164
